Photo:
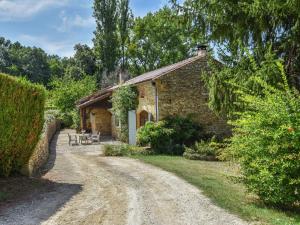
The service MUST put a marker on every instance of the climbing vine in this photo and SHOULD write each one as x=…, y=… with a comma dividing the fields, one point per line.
x=124, y=99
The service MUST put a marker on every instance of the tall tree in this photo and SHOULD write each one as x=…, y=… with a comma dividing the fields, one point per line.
x=124, y=12
x=106, y=36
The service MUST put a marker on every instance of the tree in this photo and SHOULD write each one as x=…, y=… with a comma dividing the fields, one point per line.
x=106, y=36
x=159, y=39
x=124, y=12
x=56, y=66
x=266, y=142
x=18, y=60
x=66, y=91
x=84, y=59
x=224, y=82
x=254, y=25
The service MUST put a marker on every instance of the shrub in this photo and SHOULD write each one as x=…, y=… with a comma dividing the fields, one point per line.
x=114, y=150
x=21, y=121
x=201, y=151
x=170, y=135
x=124, y=149
x=266, y=141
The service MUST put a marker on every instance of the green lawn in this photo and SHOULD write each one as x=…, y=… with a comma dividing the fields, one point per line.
x=219, y=181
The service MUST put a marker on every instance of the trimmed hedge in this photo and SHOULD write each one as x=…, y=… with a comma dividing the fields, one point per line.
x=21, y=121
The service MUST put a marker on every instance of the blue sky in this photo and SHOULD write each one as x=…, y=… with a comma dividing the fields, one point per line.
x=56, y=25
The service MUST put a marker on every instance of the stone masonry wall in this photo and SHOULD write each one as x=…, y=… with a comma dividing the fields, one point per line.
x=182, y=93
x=41, y=153
x=146, y=99
x=101, y=121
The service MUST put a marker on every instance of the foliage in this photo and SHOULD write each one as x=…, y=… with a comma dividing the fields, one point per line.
x=106, y=35
x=155, y=134
x=266, y=143
x=123, y=100
x=170, y=135
x=224, y=83
x=66, y=92
x=18, y=60
x=159, y=39
x=37, y=66
x=254, y=25
x=124, y=25
x=114, y=150
x=21, y=121
x=84, y=59
x=201, y=151
x=125, y=150
x=217, y=180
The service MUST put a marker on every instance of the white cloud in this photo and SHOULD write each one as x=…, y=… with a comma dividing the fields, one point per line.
x=61, y=48
x=21, y=9
x=68, y=22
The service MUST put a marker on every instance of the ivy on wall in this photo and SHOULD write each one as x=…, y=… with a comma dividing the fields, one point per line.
x=124, y=99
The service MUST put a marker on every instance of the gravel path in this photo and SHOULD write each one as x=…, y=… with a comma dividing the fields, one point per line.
x=87, y=188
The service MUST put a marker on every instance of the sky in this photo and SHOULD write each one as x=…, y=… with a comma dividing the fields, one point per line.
x=57, y=25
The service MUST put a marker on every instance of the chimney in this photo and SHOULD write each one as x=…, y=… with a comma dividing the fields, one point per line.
x=202, y=50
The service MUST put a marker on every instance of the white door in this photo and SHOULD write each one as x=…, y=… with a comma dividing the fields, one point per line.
x=132, y=127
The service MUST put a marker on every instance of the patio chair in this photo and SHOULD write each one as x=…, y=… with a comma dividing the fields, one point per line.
x=72, y=138
x=95, y=137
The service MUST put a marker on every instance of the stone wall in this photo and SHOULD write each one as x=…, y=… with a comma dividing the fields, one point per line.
x=146, y=100
x=183, y=93
x=101, y=121
x=41, y=153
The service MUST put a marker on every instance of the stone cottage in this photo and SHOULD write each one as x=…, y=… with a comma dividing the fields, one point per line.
x=172, y=90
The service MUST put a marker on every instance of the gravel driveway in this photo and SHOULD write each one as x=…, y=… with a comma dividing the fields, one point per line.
x=87, y=188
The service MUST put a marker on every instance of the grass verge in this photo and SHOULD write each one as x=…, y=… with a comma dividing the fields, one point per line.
x=218, y=181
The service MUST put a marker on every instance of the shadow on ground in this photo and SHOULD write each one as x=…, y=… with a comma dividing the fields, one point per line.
x=18, y=193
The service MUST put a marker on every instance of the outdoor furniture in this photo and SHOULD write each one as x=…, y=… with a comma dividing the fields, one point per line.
x=84, y=138
x=72, y=138
x=95, y=137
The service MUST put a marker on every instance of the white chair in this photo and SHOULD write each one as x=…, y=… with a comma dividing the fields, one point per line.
x=95, y=137
x=72, y=138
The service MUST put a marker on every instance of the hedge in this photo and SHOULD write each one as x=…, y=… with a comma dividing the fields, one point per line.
x=21, y=121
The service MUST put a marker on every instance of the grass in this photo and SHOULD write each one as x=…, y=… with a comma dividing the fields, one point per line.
x=219, y=181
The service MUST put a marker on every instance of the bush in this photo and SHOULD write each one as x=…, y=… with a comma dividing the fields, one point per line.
x=170, y=135
x=266, y=141
x=125, y=149
x=21, y=121
x=201, y=151
x=114, y=150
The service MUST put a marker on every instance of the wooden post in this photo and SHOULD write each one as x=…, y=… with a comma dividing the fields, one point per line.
x=83, y=118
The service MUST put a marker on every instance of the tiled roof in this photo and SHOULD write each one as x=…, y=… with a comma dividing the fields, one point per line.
x=152, y=75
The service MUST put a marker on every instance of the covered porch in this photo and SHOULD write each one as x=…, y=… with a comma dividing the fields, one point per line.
x=95, y=115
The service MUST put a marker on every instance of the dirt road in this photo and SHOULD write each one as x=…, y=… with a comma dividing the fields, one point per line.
x=86, y=188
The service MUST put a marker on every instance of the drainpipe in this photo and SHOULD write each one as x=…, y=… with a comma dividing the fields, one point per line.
x=156, y=101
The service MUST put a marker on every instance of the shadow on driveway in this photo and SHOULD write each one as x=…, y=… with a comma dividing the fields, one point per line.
x=25, y=200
